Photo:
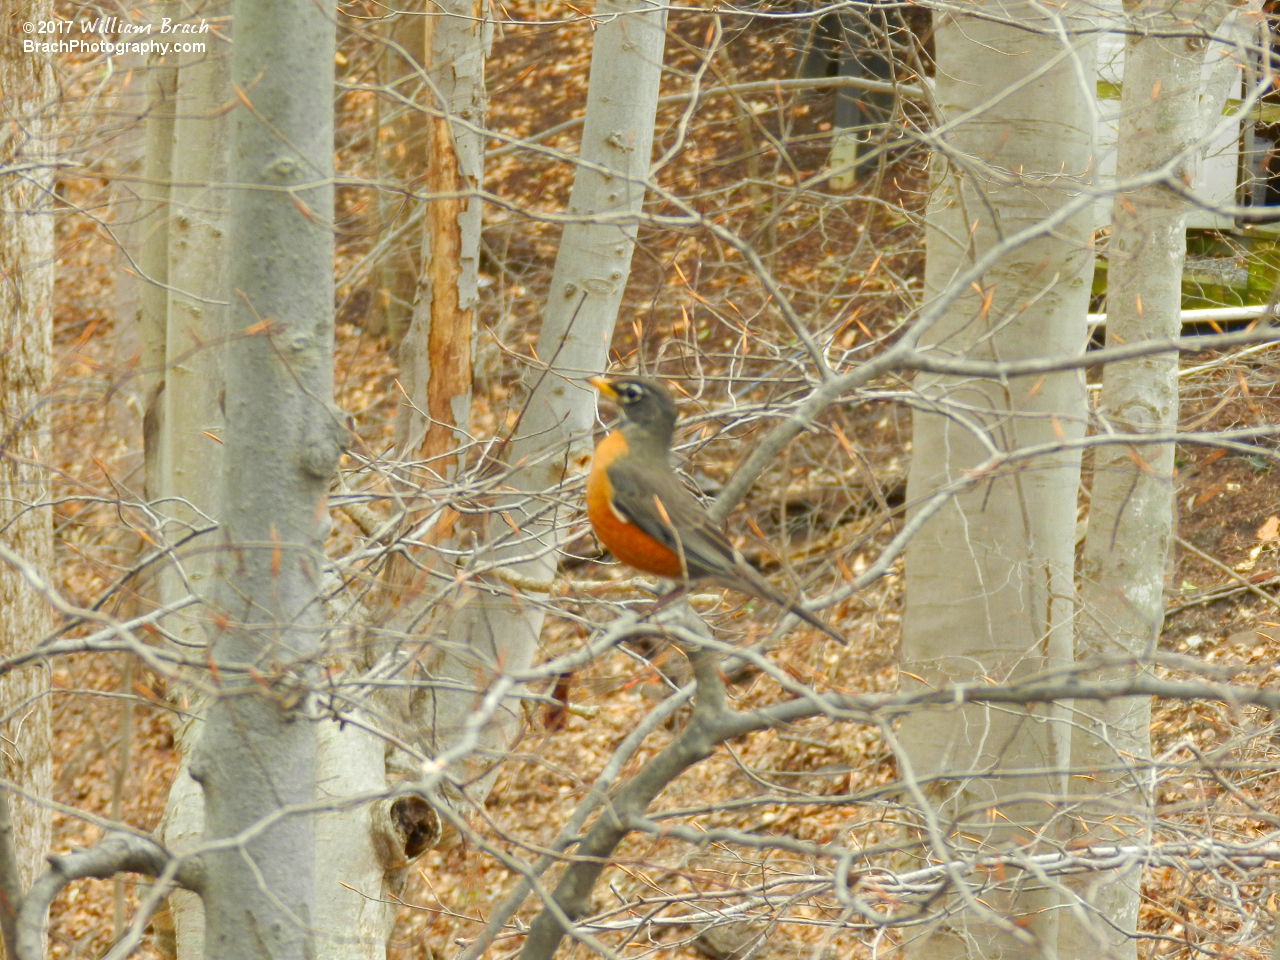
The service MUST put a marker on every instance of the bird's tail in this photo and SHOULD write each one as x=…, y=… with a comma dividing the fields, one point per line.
x=792, y=607
x=767, y=591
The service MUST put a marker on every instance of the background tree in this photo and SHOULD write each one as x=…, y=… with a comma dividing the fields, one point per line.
x=196, y=325
x=989, y=589
x=161, y=79
x=26, y=302
x=637, y=784
x=1166, y=117
x=495, y=630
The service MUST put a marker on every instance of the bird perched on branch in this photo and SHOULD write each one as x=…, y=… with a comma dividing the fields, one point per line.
x=647, y=518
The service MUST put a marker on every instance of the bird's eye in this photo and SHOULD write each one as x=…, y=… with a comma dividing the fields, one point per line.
x=629, y=392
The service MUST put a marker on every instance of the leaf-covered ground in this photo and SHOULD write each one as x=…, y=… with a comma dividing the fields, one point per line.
x=694, y=311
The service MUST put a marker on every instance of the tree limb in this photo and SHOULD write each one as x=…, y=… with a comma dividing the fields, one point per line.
x=118, y=852
x=10, y=885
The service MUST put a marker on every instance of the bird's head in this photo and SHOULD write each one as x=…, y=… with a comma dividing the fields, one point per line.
x=647, y=410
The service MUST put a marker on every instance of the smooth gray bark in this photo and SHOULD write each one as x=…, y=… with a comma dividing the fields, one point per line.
x=497, y=625
x=1131, y=516
x=355, y=895
x=989, y=579
x=26, y=325
x=153, y=252
x=402, y=159
x=192, y=422
x=283, y=437
x=199, y=294
x=128, y=155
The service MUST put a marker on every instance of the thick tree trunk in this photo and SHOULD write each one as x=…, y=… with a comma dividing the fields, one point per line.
x=283, y=437
x=26, y=325
x=493, y=628
x=989, y=579
x=1131, y=513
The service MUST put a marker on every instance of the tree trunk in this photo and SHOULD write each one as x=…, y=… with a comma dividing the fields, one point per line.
x=26, y=312
x=128, y=152
x=403, y=156
x=435, y=352
x=153, y=255
x=989, y=579
x=1131, y=514
x=283, y=437
x=199, y=295
x=862, y=117
x=191, y=424
x=435, y=356
x=493, y=628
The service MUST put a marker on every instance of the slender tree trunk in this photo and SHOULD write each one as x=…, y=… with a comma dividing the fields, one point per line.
x=435, y=356
x=192, y=421
x=989, y=579
x=865, y=50
x=435, y=352
x=199, y=294
x=1131, y=515
x=283, y=437
x=153, y=252
x=494, y=627
x=129, y=155
x=402, y=160
x=26, y=325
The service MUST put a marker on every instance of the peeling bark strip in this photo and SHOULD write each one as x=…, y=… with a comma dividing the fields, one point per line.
x=450, y=329
x=435, y=355
x=26, y=322
x=283, y=438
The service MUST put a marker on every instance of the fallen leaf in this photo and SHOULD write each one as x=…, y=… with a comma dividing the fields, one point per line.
x=1270, y=529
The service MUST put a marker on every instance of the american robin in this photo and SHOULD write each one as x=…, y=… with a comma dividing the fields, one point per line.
x=647, y=518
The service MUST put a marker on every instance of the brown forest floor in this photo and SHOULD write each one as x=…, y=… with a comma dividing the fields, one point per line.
x=537, y=78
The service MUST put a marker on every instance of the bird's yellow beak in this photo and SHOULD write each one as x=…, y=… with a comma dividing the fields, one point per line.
x=604, y=386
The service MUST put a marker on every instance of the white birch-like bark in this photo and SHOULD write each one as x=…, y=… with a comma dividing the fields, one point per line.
x=989, y=579
x=26, y=325
x=1131, y=515
x=490, y=630
x=283, y=437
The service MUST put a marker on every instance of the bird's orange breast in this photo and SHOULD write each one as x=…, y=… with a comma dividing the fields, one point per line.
x=624, y=539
